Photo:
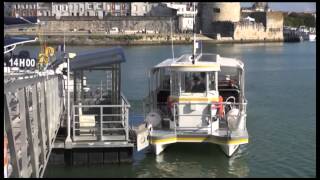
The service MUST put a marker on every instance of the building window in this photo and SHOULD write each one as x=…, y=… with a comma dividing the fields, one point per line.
x=90, y=6
x=16, y=6
x=47, y=13
x=58, y=8
x=99, y=6
x=117, y=7
x=216, y=10
x=88, y=14
x=65, y=8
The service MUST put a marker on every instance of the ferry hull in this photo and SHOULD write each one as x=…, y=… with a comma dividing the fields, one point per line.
x=229, y=150
x=229, y=146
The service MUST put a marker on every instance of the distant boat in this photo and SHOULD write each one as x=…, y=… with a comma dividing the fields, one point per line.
x=312, y=36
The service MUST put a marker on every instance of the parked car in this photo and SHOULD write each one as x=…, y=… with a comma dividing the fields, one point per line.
x=114, y=30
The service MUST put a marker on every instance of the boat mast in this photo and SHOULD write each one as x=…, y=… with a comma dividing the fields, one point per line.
x=194, y=35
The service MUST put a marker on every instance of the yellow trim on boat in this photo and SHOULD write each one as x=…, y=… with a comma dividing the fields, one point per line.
x=206, y=99
x=195, y=66
x=198, y=139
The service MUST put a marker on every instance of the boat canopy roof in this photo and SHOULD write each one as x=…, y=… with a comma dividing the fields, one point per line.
x=97, y=58
x=15, y=21
x=204, y=62
x=14, y=40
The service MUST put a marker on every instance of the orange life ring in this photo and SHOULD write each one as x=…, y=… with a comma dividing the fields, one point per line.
x=219, y=106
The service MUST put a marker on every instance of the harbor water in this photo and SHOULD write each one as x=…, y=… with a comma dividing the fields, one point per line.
x=281, y=116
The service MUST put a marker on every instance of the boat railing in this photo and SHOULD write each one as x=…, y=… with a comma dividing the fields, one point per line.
x=224, y=126
x=101, y=122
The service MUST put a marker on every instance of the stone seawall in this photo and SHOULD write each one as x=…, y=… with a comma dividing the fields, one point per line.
x=123, y=23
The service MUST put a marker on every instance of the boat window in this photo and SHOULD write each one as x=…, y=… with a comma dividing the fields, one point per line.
x=212, y=81
x=175, y=83
x=193, y=82
x=165, y=79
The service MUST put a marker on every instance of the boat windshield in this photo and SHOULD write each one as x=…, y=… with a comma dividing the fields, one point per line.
x=193, y=82
x=229, y=77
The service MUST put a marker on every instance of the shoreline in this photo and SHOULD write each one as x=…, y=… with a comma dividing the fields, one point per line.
x=137, y=39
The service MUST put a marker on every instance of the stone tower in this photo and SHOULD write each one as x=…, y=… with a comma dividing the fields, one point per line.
x=225, y=11
x=219, y=15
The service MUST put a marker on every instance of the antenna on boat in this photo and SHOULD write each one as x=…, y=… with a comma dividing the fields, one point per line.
x=172, y=40
x=194, y=35
x=64, y=39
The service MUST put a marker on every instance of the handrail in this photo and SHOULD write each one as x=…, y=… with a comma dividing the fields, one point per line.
x=119, y=115
x=216, y=116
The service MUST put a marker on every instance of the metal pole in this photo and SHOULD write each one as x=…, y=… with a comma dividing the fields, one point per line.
x=100, y=89
x=68, y=142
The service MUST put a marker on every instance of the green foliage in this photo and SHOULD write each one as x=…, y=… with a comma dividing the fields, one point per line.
x=299, y=19
x=96, y=37
x=124, y=37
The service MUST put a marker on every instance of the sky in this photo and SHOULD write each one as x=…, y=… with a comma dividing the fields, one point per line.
x=288, y=6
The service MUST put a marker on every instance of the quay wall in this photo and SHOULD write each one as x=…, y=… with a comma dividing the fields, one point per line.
x=159, y=24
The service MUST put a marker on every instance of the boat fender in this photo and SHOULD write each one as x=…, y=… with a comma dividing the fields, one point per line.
x=233, y=119
x=154, y=119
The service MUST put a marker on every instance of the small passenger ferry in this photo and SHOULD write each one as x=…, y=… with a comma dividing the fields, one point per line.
x=200, y=100
x=195, y=98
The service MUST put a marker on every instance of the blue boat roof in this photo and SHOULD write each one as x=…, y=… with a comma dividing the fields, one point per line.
x=17, y=21
x=10, y=40
x=97, y=58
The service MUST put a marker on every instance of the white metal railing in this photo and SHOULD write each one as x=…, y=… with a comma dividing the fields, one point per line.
x=101, y=122
x=223, y=128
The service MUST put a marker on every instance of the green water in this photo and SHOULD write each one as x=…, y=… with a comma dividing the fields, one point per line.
x=281, y=120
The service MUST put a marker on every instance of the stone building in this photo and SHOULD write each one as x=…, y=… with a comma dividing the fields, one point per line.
x=24, y=8
x=76, y=9
x=185, y=13
x=7, y=9
x=140, y=8
x=44, y=9
x=226, y=21
x=60, y=9
x=119, y=9
x=99, y=9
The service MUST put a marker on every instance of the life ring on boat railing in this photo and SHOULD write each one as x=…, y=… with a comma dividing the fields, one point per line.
x=219, y=107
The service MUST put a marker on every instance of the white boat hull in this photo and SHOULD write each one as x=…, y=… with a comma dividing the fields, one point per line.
x=158, y=148
x=229, y=149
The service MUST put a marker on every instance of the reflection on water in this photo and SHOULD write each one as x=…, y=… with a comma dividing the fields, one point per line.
x=281, y=116
x=193, y=160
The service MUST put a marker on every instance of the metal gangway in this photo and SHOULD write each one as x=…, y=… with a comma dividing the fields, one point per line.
x=33, y=110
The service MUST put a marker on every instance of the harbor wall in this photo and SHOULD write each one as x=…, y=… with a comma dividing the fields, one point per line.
x=158, y=24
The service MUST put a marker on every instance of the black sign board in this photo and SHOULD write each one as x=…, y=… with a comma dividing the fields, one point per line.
x=23, y=60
